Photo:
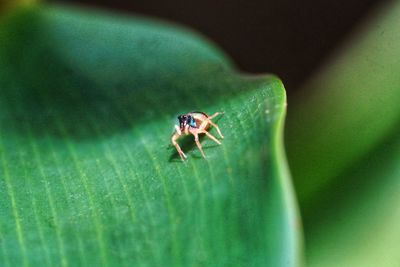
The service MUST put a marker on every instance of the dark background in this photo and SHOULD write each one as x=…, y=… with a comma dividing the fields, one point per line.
x=288, y=38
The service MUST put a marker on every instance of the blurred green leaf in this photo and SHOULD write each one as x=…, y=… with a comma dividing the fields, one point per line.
x=87, y=106
x=344, y=151
x=356, y=220
x=347, y=108
x=9, y=5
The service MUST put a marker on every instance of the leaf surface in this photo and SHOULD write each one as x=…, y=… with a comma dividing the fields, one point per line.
x=88, y=178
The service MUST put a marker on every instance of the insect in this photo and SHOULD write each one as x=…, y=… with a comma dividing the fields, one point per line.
x=195, y=123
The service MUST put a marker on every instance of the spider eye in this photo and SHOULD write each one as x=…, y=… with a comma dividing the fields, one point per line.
x=182, y=120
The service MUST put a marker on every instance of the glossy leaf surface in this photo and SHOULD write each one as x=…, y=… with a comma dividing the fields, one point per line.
x=88, y=178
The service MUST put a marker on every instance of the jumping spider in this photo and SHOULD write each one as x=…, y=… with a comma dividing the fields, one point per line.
x=195, y=123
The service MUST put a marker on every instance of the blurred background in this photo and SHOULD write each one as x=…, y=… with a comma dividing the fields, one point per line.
x=288, y=38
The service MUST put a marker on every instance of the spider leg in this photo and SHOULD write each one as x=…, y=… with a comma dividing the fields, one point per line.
x=196, y=139
x=211, y=137
x=178, y=130
x=178, y=148
x=215, y=115
x=217, y=128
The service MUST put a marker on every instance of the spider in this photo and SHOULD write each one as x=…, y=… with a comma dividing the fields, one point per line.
x=195, y=123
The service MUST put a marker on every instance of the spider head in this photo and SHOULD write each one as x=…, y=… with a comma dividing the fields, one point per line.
x=184, y=120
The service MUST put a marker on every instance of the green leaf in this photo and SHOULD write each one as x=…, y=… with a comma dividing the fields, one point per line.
x=344, y=150
x=356, y=221
x=9, y=5
x=348, y=108
x=88, y=178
